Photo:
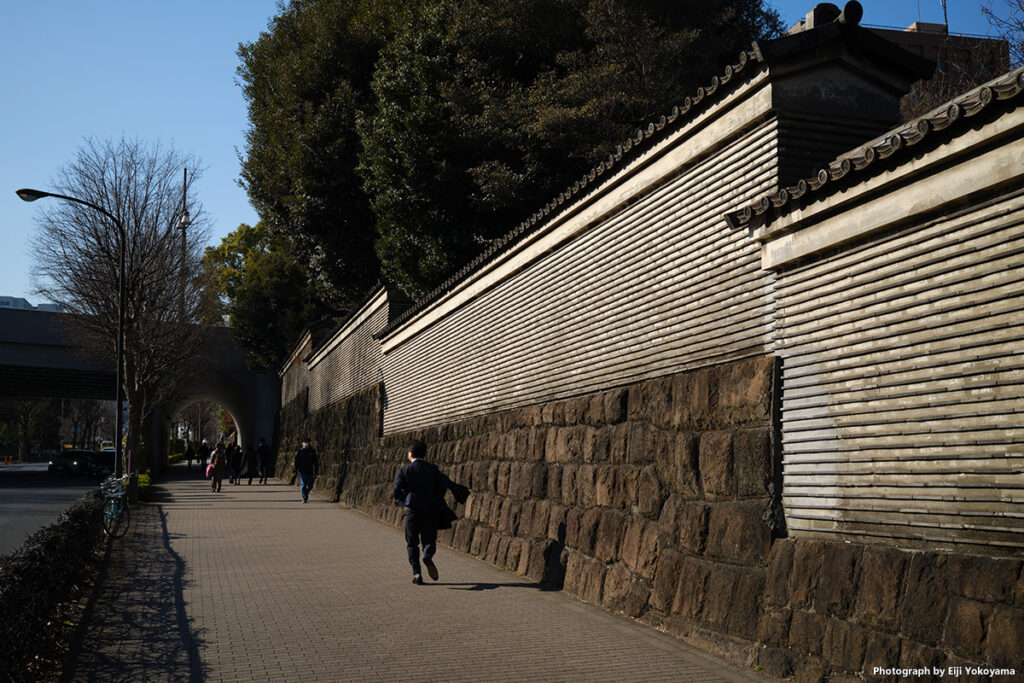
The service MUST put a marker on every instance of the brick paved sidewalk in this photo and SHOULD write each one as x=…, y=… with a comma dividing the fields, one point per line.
x=251, y=585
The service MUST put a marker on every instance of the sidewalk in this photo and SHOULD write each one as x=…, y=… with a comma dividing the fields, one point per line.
x=252, y=585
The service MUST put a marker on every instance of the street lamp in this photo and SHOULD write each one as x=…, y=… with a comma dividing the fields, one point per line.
x=32, y=195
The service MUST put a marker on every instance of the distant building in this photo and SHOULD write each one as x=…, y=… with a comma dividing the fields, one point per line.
x=24, y=305
x=979, y=56
x=962, y=62
x=15, y=302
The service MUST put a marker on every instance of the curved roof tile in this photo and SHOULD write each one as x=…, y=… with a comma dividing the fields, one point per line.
x=866, y=160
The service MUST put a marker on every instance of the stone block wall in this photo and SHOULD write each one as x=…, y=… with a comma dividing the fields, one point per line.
x=608, y=495
x=659, y=501
x=345, y=435
x=835, y=610
x=649, y=499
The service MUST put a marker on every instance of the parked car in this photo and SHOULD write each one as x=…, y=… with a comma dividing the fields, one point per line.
x=100, y=465
x=71, y=461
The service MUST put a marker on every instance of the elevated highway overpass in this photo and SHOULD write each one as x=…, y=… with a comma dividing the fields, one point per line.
x=41, y=358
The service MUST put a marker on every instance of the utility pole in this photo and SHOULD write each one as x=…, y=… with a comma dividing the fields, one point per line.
x=183, y=223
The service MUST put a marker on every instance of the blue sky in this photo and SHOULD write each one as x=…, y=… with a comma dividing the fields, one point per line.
x=165, y=71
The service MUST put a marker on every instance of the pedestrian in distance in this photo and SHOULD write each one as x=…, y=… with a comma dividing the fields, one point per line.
x=190, y=456
x=252, y=463
x=263, y=455
x=204, y=453
x=235, y=463
x=217, y=464
x=420, y=486
x=307, y=467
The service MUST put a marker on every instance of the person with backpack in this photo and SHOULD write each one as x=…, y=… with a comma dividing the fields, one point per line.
x=217, y=464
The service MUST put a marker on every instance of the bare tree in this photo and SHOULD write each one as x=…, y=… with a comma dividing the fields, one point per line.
x=23, y=415
x=964, y=62
x=1006, y=18
x=84, y=416
x=200, y=419
x=77, y=259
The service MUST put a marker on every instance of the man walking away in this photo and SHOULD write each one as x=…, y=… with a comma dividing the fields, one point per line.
x=252, y=463
x=421, y=486
x=190, y=456
x=307, y=466
x=235, y=463
x=263, y=455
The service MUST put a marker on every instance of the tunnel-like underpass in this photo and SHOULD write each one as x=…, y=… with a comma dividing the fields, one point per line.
x=40, y=358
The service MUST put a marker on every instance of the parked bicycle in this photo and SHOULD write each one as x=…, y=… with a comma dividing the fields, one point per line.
x=116, y=516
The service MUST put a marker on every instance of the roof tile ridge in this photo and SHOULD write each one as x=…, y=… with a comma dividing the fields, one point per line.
x=624, y=150
x=1004, y=87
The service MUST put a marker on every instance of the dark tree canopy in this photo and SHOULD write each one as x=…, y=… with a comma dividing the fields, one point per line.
x=305, y=80
x=266, y=296
x=398, y=138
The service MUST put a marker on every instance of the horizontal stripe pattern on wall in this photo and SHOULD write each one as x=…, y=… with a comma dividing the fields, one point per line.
x=903, y=384
x=657, y=287
x=352, y=363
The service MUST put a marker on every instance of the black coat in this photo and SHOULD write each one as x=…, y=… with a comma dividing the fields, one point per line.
x=251, y=462
x=263, y=453
x=307, y=463
x=420, y=486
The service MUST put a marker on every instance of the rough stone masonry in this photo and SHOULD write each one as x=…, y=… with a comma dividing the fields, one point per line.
x=659, y=500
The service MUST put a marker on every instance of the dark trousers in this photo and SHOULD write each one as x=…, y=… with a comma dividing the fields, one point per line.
x=420, y=528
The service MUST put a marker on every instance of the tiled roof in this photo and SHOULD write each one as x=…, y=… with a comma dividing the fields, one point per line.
x=884, y=152
x=334, y=325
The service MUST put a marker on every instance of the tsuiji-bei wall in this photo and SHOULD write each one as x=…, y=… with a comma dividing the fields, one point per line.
x=728, y=410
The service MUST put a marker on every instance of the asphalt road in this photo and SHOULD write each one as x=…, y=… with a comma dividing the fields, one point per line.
x=31, y=499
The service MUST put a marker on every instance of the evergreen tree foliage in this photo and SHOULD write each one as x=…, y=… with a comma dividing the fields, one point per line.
x=305, y=79
x=265, y=295
x=398, y=139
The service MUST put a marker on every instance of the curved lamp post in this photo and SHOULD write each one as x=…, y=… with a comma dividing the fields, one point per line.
x=32, y=195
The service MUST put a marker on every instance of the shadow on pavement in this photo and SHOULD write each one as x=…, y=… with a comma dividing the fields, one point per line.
x=135, y=626
x=492, y=586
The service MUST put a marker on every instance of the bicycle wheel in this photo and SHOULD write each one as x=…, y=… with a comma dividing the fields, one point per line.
x=126, y=519
x=115, y=517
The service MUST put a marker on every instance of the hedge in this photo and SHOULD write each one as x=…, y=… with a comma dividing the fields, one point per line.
x=39, y=581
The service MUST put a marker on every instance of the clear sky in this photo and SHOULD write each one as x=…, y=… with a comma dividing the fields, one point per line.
x=165, y=71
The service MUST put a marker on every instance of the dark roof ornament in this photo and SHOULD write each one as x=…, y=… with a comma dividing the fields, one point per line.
x=827, y=13
x=852, y=13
